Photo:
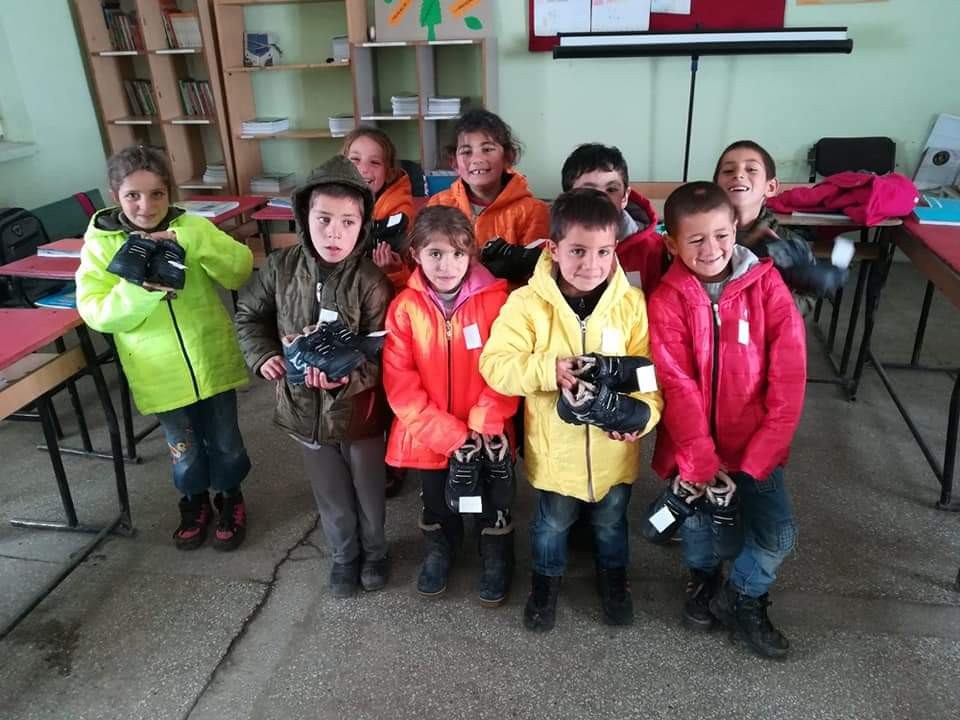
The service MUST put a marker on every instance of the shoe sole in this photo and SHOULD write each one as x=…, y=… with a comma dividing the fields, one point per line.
x=424, y=593
x=493, y=603
x=692, y=623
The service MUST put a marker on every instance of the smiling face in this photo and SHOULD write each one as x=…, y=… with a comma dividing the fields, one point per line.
x=480, y=163
x=743, y=176
x=606, y=181
x=335, y=224
x=704, y=243
x=444, y=264
x=144, y=199
x=584, y=257
x=368, y=156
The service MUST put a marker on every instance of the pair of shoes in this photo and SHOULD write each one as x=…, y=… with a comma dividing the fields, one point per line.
x=196, y=515
x=487, y=458
x=701, y=589
x=540, y=612
x=496, y=565
x=615, y=598
x=746, y=618
x=141, y=259
x=344, y=579
x=232, y=525
x=664, y=516
x=508, y=261
x=374, y=574
x=463, y=475
x=432, y=580
x=602, y=407
x=395, y=478
x=331, y=348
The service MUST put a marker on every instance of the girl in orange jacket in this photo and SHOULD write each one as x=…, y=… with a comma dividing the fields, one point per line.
x=495, y=197
x=449, y=424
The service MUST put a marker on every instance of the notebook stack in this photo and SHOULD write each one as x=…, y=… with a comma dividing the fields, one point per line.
x=405, y=104
x=340, y=125
x=215, y=174
x=264, y=126
x=273, y=183
x=445, y=106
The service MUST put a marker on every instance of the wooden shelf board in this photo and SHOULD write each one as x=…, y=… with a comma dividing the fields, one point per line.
x=117, y=53
x=292, y=66
x=388, y=116
x=304, y=134
x=441, y=117
x=269, y=2
x=134, y=120
x=191, y=120
x=199, y=184
x=178, y=51
x=414, y=43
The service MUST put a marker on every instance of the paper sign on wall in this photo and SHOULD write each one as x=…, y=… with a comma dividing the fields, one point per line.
x=674, y=7
x=432, y=19
x=620, y=15
x=561, y=16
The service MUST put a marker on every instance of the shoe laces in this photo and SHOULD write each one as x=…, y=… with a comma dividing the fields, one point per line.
x=580, y=398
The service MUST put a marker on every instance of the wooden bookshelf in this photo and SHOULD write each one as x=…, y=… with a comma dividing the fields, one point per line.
x=190, y=141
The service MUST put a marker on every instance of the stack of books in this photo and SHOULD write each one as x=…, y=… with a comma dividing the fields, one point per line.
x=264, y=126
x=181, y=28
x=139, y=97
x=208, y=208
x=215, y=174
x=122, y=27
x=340, y=125
x=273, y=183
x=405, y=104
x=447, y=106
x=197, y=97
x=278, y=202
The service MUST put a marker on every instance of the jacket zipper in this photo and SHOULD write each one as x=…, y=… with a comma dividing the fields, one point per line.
x=716, y=371
x=183, y=349
x=317, y=395
x=586, y=428
x=449, y=331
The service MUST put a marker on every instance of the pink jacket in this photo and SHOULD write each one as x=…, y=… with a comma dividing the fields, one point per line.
x=865, y=198
x=643, y=252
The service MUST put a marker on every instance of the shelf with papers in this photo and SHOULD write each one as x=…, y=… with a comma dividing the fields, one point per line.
x=289, y=66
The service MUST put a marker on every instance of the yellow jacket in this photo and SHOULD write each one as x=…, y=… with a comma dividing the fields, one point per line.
x=535, y=327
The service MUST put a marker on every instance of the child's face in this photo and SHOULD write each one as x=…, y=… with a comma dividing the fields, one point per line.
x=367, y=155
x=606, y=181
x=704, y=243
x=743, y=177
x=480, y=161
x=585, y=258
x=144, y=199
x=335, y=224
x=444, y=265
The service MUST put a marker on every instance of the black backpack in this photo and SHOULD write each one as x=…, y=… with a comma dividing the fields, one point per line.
x=21, y=233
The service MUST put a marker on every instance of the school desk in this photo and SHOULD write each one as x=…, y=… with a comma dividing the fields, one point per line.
x=31, y=377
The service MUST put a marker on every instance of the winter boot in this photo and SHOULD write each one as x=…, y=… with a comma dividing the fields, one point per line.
x=166, y=265
x=753, y=628
x=614, y=590
x=344, y=579
x=496, y=561
x=432, y=580
x=600, y=406
x=701, y=588
x=133, y=258
x=498, y=471
x=619, y=373
x=232, y=525
x=196, y=514
x=540, y=613
x=722, y=605
x=463, y=477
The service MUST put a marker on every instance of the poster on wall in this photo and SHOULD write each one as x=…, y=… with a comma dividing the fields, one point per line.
x=408, y=20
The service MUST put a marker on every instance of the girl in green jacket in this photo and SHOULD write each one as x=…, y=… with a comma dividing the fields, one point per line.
x=177, y=348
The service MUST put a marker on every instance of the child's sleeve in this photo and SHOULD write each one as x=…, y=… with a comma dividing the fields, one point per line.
x=256, y=317
x=224, y=259
x=492, y=410
x=429, y=425
x=508, y=362
x=684, y=414
x=106, y=302
x=786, y=382
x=373, y=313
x=537, y=224
x=638, y=344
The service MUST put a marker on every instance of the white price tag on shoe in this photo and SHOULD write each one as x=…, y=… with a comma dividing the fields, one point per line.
x=646, y=379
x=471, y=504
x=328, y=316
x=661, y=519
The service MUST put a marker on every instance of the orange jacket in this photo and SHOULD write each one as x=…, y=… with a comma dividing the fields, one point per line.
x=516, y=215
x=397, y=197
x=431, y=371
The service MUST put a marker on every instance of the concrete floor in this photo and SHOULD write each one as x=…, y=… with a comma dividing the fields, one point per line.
x=141, y=630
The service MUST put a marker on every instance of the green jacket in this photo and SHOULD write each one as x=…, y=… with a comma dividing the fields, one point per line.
x=283, y=298
x=176, y=351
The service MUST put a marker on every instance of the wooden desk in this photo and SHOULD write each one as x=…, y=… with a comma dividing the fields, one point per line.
x=32, y=379
x=42, y=267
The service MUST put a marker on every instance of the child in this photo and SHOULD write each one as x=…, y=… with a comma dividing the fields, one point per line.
x=177, y=348
x=338, y=423
x=730, y=353
x=577, y=302
x=436, y=329
x=640, y=248
x=495, y=197
x=748, y=175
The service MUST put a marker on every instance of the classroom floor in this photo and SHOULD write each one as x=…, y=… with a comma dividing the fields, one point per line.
x=141, y=630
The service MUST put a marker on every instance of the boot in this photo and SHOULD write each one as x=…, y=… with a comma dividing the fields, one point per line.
x=701, y=588
x=508, y=261
x=344, y=578
x=723, y=604
x=132, y=259
x=232, y=526
x=496, y=561
x=753, y=628
x=196, y=514
x=678, y=501
x=618, y=373
x=540, y=613
x=600, y=406
x=432, y=580
x=614, y=590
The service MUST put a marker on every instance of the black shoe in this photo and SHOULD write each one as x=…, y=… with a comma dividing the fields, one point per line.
x=167, y=265
x=133, y=258
x=701, y=588
x=540, y=613
x=333, y=349
x=391, y=230
x=600, y=406
x=463, y=476
x=344, y=579
x=664, y=516
x=722, y=501
x=496, y=562
x=753, y=628
x=374, y=574
x=508, y=261
x=498, y=471
x=722, y=605
x=294, y=358
x=232, y=525
x=196, y=514
x=615, y=598
x=619, y=373
x=432, y=580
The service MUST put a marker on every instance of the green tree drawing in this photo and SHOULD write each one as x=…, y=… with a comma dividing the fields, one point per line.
x=431, y=15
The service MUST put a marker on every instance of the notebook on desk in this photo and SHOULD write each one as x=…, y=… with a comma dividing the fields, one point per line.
x=938, y=211
x=207, y=209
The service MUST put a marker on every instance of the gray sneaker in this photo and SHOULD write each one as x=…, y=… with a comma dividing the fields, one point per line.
x=344, y=579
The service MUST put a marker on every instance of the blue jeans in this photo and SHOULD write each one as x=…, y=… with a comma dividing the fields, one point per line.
x=557, y=513
x=205, y=445
x=769, y=535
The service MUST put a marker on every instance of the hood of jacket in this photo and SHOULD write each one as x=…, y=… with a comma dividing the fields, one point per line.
x=638, y=217
x=691, y=287
x=112, y=219
x=478, y=280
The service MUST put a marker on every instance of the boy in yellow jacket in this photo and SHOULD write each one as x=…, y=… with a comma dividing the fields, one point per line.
x=574, y=343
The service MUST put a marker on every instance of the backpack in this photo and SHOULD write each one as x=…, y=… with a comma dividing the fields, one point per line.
x=21, y=233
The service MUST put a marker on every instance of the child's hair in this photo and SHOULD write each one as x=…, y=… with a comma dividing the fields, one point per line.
x=480, y=120
x=336, y=190
x=590, y=157
x=692, y=199
x=135, y=158
x=769, y=166
x=381, y=139
x=587, y=207
x=446, y=221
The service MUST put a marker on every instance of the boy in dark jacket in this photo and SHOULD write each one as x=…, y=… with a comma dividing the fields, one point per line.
x=338, y=422
x=729, y=348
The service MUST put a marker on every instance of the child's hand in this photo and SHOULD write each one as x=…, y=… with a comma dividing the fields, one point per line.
x=159, y=288
x=273, y=368
x=163, y=235
x=316, y=379
x=565, y=377
x=386, y=259
x=624, y=437
x=764, y=233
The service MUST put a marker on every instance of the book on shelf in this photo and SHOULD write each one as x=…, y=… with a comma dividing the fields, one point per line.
x=273, y=182
x=260, y=49
x=405, y=104
x=342, y=124
x=139, y=94
x=938, y=211
x=215, y=174
x=196, y=97
x=443, y=106
x=264, y=125
x=68, y=247
x=185, y=28
x=208, y=208
x=284, y=203
x=122, y=27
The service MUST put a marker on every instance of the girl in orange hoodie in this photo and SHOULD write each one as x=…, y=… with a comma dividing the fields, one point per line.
x=449, y=424
x=506, y=216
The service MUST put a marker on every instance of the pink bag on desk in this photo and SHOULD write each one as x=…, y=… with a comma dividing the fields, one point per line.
x=865, y=198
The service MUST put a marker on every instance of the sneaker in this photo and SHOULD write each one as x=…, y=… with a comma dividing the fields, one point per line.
x=463, y=477
x=294, y=358
x=374, y=574
x=166, y=265
x=619, y=373
x=344, y=579
x=333, y=349
x=753, y=628
x=723, y=503
x=508, y=261
x=497, y=468
x=701, y=588
x=391, y=230
x=614, y=590
x=664, y=516
x=602, y=407
x=196, y=514
x=540, y=612
x=132, y=259
x=370, y=345
x=232, y=526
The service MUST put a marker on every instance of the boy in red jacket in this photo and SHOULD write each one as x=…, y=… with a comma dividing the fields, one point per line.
x=730, y=353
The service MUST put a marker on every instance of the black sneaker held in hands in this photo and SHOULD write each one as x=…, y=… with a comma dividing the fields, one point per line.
x=678, y=501
x=331, y=348
x=463, y=477
x=598, y=405
x=132, y=260
x=723, y=503
x=391, y=230
x=167, y=266
x=619, y=373
x=511, y=262
x=498, y=471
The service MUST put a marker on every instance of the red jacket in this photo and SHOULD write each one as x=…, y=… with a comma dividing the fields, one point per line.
x=431, y=371
x=865, y=198
x=747, y=421
x=643, y=252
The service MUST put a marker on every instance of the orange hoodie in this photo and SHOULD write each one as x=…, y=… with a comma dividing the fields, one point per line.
x=397, y=197
x=516, y=215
